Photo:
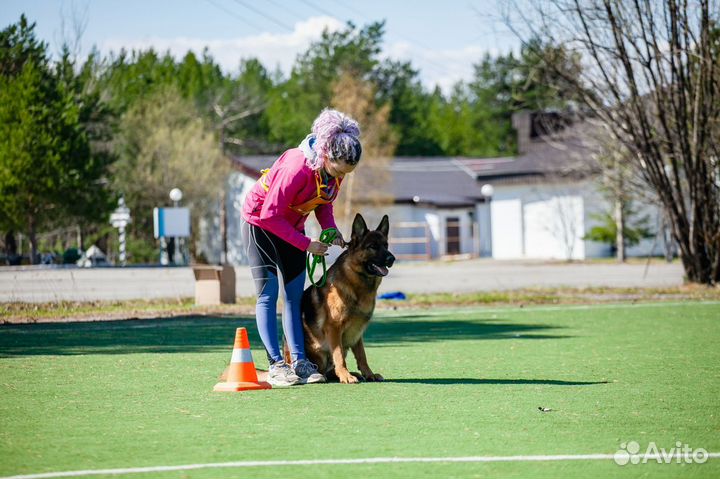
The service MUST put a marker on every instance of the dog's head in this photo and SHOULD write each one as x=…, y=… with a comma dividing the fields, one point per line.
x=370, y=247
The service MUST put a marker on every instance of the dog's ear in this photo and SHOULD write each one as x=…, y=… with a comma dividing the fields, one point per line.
x=359, y=228
x=384, y=226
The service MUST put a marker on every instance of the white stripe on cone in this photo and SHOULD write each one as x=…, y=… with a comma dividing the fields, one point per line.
x=241, y=356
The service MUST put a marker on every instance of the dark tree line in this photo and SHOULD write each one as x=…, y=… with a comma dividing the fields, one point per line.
x=53, y=161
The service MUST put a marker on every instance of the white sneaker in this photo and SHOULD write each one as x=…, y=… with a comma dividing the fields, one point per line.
x=280, y=374
x=307, y=372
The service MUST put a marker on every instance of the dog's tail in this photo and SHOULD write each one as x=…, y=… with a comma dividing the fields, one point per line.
x=286, y=353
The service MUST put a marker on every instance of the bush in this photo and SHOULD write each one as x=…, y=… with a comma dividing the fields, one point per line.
x=142, y=251
x=71, y=255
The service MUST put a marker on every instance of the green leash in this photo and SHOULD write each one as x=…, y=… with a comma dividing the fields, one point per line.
x=327, y=237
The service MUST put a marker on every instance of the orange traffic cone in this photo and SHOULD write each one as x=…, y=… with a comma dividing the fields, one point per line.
x=241, y=375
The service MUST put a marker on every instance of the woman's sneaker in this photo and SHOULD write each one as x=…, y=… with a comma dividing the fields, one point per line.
x=280, y=374
x=308, y=372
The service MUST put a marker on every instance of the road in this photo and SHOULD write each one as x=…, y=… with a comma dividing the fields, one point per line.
x=34, y=284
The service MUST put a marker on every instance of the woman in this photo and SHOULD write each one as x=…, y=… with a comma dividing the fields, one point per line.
x=302, y=180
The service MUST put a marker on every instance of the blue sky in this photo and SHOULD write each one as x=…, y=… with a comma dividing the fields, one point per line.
x=441, y=38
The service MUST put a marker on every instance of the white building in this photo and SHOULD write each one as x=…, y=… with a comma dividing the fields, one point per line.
x=543, y=201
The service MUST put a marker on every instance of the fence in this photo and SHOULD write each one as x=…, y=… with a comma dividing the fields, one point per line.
x=406, y=233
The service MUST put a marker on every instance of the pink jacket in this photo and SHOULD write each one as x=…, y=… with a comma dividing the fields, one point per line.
x=291, y=182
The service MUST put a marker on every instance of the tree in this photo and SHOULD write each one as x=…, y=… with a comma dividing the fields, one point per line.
x=47, y=170
x=127, y=78
x=398, y=85
x=198, y=80
x=294, y=104
x=18, y=46
x=237, y=110
x=165, y=143
x=653, y=79
x=237, y=106
x=371, y=181
x=565, y=221
x=452, y=123
x=508, y=83
x=88, y=195
x=621, y=186
x=635, y=228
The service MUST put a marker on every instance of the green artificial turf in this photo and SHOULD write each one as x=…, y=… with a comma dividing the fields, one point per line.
x=463, y=382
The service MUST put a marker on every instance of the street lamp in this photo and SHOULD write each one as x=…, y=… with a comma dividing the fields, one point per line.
x=174, y=245
x=176, y=195
x=487, y=190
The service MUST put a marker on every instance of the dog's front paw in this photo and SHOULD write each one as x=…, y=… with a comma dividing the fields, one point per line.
x=346, y=378
x=373, y=377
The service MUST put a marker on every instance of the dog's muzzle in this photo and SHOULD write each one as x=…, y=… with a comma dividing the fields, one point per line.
x=382, y=269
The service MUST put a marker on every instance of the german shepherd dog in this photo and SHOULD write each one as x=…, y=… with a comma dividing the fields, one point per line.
x=336, y=315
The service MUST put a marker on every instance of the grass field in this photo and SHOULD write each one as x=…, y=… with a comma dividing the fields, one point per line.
x=460, y=382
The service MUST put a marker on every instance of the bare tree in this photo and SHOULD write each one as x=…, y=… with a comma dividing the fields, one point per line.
x=166, y=143
x=72, y=29
x=371, y=182
x=618, y=184
x=652, y=76
x=566, y=224
x=560, y=215
x=240, y=106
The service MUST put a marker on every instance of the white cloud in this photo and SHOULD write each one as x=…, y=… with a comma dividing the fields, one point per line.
x=443, y=67
x=270, y=48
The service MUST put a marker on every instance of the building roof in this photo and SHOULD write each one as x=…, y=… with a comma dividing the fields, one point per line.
x=567, y=154
x=436, y=181
x=252, y=165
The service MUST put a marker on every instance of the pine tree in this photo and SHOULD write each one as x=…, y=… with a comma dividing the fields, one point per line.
x=46, y=168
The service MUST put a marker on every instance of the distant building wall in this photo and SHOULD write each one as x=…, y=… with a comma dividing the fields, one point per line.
x=483, y=219
x=507, y=225
x=543, y=221
x=554, y=227
x=549, y=221
x=237, y=186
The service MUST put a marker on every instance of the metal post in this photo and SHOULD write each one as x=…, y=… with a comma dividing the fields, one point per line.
x=120, y=218
x=123, y=260
x=176, y=195
x=223, y=226
x=163, y=252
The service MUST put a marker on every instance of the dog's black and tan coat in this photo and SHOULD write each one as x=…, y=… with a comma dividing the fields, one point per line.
x=336, y=315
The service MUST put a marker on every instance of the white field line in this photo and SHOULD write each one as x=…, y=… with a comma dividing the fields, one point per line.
x=369, y=460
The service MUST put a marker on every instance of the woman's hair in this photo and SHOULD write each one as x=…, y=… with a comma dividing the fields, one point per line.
x=337, y=137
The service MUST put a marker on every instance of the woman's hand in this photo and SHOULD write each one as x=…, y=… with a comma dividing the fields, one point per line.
x=316, y=247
